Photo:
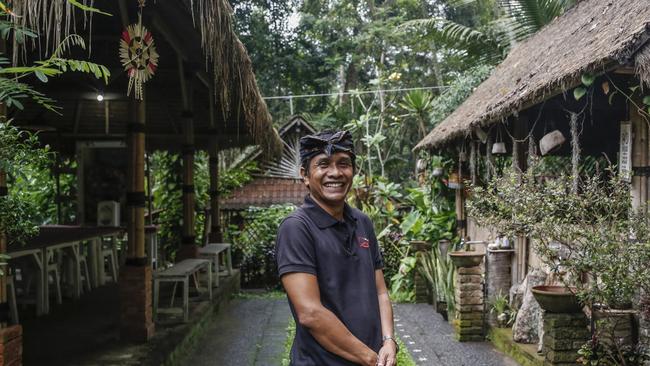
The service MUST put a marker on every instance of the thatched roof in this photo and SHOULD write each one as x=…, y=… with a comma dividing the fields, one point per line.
x=592, y=37
x=198, y=32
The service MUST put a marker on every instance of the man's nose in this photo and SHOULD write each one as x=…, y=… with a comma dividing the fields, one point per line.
x=334, y=171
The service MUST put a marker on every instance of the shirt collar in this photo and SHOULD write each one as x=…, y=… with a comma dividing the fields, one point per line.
x=321, y=217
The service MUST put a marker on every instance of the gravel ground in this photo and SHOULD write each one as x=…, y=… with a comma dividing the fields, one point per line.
x=430, y=340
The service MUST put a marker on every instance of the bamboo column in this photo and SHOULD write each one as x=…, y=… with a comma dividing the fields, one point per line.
x=188, y=248
x=213, y=152
x=136, y=318
x=135, y=196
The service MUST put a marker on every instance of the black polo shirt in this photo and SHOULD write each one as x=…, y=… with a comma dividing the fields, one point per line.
x=343, y=255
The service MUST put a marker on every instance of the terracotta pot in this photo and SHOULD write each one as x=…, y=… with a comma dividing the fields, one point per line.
x=557, y=299
x=466, y=259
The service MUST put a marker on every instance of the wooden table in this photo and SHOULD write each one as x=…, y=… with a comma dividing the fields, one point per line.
x=51, y=238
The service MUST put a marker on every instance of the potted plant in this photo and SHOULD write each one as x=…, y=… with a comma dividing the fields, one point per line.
x=500, y=308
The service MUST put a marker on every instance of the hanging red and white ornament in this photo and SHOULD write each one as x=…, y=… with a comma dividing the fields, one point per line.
x=138, y=55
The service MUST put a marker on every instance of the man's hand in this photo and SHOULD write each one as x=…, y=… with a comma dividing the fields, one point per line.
x=387, y=354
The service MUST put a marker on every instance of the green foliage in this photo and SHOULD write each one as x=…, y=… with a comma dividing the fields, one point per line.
x=258, y=237
x=167, y=193
x=490, y=40
x=254, y=243
x=12, y=90
x=18, y=151
x=457, y=92
x=594, y=231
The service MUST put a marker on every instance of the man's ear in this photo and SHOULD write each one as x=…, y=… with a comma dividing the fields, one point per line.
x=304, y=177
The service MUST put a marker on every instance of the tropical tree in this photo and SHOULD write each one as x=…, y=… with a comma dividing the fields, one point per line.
x=490, y=40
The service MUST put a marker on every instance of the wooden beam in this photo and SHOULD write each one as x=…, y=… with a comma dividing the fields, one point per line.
x=124, y=13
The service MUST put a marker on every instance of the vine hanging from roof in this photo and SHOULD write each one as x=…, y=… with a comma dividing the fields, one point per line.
x=138, y=54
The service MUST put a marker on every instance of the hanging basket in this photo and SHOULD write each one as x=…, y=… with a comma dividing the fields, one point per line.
x=551, y=141
x=499, y=148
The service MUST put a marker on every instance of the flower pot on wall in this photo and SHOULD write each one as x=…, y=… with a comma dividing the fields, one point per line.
x=557, y=299
x=466, y=259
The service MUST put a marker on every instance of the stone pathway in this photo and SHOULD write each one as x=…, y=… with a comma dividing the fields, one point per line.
x=252, y=331
x=247, y=332
x=430, y=340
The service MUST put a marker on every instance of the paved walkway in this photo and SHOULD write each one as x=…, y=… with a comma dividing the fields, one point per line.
x=247, y=332
x=430, y=340
x=252, y=332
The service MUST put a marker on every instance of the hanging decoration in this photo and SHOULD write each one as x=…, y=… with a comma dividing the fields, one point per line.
x=489, y=159
x=575, y=151
x=138, y=54
x=473, y=161
x=499, y=147
x=532, y=151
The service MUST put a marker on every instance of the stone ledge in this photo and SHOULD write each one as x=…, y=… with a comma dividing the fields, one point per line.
x=524, y=354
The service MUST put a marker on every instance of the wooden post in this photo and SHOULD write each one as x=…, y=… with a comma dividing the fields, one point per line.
x=4, y=306
x=520, y=164
x=215, y=225
x=640, y=162
x=188, y=248
x=136, y=320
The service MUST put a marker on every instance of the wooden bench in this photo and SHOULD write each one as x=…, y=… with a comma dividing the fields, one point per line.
x=212, y=252
x=181, y=272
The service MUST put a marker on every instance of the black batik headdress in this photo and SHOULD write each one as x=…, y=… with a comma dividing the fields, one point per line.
x=326, y=142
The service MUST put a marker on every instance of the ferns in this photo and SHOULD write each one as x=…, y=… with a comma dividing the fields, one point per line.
x=11, y=89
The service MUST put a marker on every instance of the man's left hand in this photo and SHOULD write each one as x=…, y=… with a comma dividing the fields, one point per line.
x=387, y=354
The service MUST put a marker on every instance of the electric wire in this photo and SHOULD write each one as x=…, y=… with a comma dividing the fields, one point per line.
x=290, y=96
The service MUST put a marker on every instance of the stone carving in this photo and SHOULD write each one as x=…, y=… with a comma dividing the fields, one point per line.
x=529, y=318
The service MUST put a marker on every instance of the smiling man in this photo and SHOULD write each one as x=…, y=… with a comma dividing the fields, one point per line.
x=329, y=263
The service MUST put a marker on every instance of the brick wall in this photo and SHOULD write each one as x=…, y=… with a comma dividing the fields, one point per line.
x=11, y=346
x=469, y=316
x=136, y=311
x=564, y=334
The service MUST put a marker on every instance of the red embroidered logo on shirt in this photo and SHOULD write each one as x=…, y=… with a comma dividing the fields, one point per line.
x=363, y=242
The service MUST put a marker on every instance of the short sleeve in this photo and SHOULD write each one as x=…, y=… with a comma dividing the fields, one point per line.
x=376, y=253
x=295, y=248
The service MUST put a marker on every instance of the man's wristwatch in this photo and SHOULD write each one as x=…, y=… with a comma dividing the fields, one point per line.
x=386, y=338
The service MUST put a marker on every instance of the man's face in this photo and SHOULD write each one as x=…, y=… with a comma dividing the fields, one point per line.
x=329, y=178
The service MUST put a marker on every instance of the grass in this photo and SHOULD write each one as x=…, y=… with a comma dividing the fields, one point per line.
x=244, y=294
x=404, y=358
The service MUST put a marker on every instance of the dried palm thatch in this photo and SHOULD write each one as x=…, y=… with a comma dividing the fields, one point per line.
x=54, y=19
x=592, y=37
x=234, y=79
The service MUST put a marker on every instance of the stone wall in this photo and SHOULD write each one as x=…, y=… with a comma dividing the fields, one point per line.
x=469, y=316
x=564, y=334
x=498, y=277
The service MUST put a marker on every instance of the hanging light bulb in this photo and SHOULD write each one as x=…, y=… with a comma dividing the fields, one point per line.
x=100, y=97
